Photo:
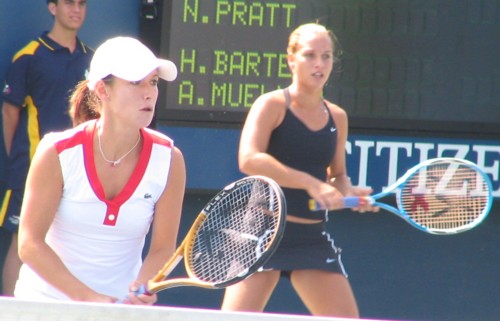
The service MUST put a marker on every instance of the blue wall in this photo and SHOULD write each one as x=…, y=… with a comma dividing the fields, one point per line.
x=23, y=20
x=396, y=271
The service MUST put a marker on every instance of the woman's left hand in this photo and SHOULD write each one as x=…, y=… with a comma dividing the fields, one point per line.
x=139, y=299
x=363, y=192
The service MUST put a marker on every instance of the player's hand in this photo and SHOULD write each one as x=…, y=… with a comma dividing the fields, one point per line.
x=327, y=196
x=89, y=295
x=134, y=297
x=364, y=206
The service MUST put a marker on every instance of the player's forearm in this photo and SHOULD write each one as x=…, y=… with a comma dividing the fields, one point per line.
x=46, y=263
x=342, y=183
x=266, y=165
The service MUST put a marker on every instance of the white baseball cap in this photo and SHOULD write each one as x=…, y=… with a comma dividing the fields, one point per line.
x=127, y=58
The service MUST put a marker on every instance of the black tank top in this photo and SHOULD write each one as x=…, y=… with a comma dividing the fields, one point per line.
x=296, y=146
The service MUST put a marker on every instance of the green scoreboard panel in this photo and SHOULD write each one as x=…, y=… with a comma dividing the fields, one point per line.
x=429, y=65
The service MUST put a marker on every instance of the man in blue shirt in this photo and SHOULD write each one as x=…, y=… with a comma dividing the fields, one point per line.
x=35, y=101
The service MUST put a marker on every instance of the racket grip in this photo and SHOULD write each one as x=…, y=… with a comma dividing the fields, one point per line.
x=141, y=290
x=352, y=201
x=355, y=201
x=349, y=201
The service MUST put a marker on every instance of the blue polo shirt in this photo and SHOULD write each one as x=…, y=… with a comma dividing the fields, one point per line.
x=40, y=81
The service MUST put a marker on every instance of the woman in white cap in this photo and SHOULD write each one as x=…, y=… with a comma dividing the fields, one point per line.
x=94, y=191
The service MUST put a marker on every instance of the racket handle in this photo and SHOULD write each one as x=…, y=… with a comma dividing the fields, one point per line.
x=352, y=201
x=141, y=290
x=349, y=201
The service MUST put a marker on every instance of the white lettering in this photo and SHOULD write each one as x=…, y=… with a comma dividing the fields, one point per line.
x=424, y=149
x=364, y=147
x=377, y=160
x=394, y=148
x=460, y=150
x=482, y=152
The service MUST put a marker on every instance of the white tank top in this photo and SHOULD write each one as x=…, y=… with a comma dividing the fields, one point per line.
x=100, y=241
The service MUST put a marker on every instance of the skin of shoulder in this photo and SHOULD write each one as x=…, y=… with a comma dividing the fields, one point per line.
x=264, y=116
x=271, y=106
x=41, y=199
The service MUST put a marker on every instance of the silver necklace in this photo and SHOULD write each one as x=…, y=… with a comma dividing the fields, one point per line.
x=117, y=162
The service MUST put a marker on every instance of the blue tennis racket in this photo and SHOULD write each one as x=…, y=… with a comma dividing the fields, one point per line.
x=438, y=196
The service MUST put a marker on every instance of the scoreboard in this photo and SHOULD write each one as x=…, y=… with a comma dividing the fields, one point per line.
x=228, y=53
x=405, y=65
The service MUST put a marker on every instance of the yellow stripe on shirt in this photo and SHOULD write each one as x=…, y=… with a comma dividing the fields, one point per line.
x=3, y=210
x=29, y=49
x=33, y=128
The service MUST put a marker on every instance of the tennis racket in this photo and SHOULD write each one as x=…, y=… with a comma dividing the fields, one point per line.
x=232, y=237
x=437, y=196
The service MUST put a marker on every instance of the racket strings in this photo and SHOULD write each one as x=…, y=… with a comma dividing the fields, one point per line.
x=444, y=196
x=238, y=229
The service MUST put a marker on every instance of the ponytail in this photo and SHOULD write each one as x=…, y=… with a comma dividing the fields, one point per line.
x=84, y=105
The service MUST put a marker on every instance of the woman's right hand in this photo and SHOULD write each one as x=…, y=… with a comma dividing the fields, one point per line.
x=327, y=196
x=85, y=294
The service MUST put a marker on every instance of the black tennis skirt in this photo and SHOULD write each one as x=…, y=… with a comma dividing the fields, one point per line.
x=306, y=246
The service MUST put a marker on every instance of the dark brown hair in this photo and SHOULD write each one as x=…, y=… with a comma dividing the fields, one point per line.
x=84, y=104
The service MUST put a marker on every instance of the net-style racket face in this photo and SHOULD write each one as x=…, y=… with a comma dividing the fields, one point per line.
x=445, y=196
x=438, y=196
x=242, y=228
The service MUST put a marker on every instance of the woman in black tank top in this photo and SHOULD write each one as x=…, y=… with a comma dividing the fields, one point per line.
x=298, y=138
